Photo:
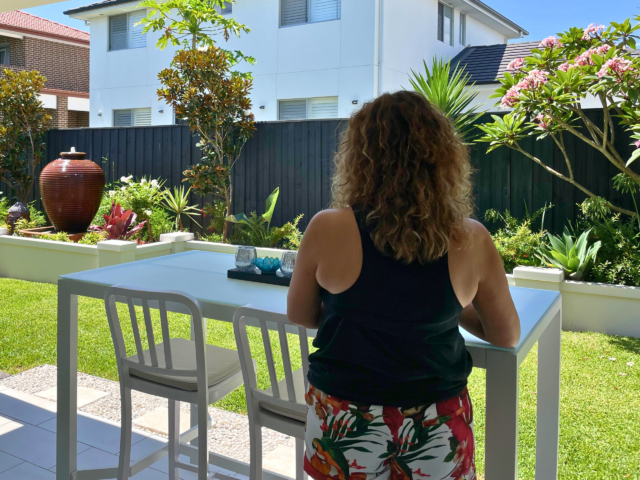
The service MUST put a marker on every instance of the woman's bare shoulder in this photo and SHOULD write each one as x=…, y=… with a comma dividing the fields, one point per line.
x=476, y=240
x=332, y=217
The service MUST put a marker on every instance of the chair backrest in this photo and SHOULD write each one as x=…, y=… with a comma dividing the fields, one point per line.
x=149, y=299
x=250, y=315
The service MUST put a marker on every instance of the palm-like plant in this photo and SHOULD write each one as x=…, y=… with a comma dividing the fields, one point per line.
x=178, y=203
x=573, y=258
x=451, y=92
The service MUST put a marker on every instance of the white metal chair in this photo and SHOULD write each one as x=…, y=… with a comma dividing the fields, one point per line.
x=282, y=407
x=177, y=369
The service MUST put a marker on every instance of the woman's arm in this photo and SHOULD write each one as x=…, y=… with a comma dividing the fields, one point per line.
x=304, y=306
x=491, y=315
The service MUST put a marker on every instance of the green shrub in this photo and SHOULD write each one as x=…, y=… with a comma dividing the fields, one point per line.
x=161, y=222
x=38, y=218
x=91, y=238
x=4, y=209
x=56, y=237
x=618, y=260
x=515, y=240
x=257, y=233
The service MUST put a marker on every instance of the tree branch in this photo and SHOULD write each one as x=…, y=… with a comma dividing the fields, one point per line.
x=580, y=187
x=560, y=145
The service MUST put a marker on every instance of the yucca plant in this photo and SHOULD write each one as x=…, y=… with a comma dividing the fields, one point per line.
x=451, y=92
x=572, y=257
x=178, y=203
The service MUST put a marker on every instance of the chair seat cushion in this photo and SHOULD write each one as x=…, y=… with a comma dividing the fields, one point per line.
x=221, y=364
x=295, y=411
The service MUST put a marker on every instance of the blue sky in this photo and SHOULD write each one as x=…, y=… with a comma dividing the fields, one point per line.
x=541, y=18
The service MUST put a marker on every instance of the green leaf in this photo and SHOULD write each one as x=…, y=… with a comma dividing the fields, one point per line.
x=239, y=218
x=634, y=156
x=271, y=205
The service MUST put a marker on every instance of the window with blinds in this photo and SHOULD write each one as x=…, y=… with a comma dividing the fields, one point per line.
x=293, y=110
x=124, y=33
x=132, y=117
x=323, y=107
x=228, y=8
x=312, y=108
x=296, y=12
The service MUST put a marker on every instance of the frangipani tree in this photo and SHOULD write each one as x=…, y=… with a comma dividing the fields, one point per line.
x=546, y=91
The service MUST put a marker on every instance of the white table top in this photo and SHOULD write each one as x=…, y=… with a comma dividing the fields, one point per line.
x=204, y=276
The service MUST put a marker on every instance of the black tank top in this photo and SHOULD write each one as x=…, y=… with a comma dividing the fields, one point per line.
x=392, y=338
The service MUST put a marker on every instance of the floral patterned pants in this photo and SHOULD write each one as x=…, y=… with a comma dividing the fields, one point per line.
x=351, y=441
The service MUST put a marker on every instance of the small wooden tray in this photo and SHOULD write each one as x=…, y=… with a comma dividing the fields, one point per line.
x=259, y=277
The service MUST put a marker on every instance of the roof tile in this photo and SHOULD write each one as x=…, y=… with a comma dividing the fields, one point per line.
x=28, y=21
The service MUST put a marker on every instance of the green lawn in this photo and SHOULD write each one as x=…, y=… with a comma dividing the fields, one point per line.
x=600, y=408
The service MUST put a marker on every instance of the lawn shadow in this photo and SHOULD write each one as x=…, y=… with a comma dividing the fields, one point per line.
x=628, y=343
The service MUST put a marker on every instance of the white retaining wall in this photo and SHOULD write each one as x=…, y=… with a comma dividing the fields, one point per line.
x=612, y=309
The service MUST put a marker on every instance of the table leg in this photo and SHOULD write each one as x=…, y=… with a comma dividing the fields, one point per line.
x=548, y=415
x=67, y=419
x=501, y=431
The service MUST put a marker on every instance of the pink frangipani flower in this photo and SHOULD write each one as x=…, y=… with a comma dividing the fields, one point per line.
x=637, y=143
x=564, y=67
x=592, y=31
x=543, y=121
x=515, y=64
x=615, y=65
x=511, y=97
x=550, y=42
x=535, y=79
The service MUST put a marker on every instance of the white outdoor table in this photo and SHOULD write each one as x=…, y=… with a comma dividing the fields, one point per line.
x=204, y=275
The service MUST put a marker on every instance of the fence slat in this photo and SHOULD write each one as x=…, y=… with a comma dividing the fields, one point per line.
x=298, y=157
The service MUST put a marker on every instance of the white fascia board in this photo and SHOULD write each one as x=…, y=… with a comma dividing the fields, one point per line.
x=76, y=104
x=48, y=101
x=11, y=34
x=485, y=16
x=107, y=11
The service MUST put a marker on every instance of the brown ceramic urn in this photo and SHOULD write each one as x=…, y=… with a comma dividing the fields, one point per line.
x=71, y=189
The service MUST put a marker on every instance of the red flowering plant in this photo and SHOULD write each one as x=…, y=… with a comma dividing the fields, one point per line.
x=547, y=90
x=120, y=224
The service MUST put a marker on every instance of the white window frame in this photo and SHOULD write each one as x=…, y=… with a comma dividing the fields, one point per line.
x=132, y=111
x=463, y=29
x=441, y=21
x=128, y=47
x=6, y=48
x=308, y=105
x=309, y=21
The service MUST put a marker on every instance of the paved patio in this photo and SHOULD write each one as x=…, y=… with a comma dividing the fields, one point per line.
x=28, y=430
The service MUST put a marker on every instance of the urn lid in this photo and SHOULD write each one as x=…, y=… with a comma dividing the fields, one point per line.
x=73, y=155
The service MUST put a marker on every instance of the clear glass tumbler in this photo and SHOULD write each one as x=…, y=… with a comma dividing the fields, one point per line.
x=287, y=263
x=245, y=256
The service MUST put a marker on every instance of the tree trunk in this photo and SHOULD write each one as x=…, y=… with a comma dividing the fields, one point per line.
x=180, y=223
x=225, y=229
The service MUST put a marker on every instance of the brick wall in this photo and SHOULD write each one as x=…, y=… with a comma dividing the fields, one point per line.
x=65, y=66
x=78, y=119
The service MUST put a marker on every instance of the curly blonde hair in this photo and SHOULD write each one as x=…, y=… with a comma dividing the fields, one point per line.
x=402, y=165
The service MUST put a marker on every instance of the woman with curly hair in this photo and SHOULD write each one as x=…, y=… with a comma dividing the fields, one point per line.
x=387, y=276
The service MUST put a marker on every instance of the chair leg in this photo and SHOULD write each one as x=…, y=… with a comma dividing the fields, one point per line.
x=174, y=439
x=125, y=434
x=203, y=450
x=255, y=440
x=300, y=475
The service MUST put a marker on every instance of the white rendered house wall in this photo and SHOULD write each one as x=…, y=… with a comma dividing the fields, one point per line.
x=353, y=58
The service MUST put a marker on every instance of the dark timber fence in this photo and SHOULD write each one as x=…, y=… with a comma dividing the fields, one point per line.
x=298, y=157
